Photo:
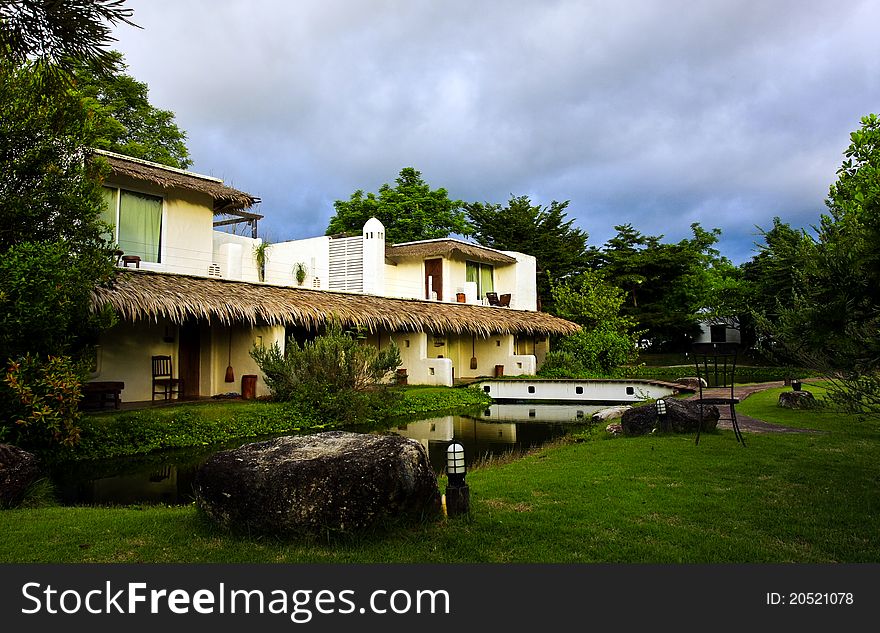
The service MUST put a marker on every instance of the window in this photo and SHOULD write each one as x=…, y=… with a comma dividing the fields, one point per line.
x=136, y=219
x=483, y=275
x=718, y=333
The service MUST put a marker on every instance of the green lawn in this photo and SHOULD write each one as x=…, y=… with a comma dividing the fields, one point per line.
x=783, y=498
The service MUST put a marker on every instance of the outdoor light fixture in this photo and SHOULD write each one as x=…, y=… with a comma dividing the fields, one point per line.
x=661, y=406
x=455, y=468
x=458, y=495
x=661, y=412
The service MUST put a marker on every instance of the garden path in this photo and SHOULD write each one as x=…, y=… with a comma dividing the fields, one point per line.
x=747, y=423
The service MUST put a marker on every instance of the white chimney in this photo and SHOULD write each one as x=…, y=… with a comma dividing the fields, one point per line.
x=374, y=257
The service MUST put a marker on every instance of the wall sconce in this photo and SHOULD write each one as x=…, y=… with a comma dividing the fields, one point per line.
x=168, y=337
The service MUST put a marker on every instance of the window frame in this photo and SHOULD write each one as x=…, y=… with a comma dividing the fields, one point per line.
x=162, y=255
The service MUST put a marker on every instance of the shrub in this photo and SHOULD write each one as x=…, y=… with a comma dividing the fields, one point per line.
x=333, y=378
x=42, y=400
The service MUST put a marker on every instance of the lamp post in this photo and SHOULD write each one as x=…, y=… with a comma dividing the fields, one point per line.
x=661, y=413
x=458, y=495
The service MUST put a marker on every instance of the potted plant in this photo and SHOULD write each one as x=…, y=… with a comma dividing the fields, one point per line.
x=300, y=271
x=260, y=256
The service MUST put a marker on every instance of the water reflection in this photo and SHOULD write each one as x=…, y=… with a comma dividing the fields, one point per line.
x=168, y=477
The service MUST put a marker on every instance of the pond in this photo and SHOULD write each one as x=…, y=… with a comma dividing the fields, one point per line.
x=167, y=477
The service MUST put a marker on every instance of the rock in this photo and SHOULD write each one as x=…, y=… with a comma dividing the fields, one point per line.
x=682, y=416
x=611, y=413
x=639, y=420
x=18, y=470
x=615, y=429
x=692, y=382
x=328, y=481
x=797, y=400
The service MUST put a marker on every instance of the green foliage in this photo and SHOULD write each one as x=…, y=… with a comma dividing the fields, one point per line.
x=832, y=312
x=544, y=232
x=421, y=400
x=668, y=287
x=410, y=211
x=52, y=251
x=125, y=120
x=141, y=432
x=608, y=338
x=60, y=33
x=41, y=400
x=332, y=378
x=261, y=258
x=595, y=352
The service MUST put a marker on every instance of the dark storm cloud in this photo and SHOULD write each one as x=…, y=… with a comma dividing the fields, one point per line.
x=654, y=113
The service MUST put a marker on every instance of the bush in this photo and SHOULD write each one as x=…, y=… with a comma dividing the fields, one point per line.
x=333, y=378
x=598, y=351
x=41, y=403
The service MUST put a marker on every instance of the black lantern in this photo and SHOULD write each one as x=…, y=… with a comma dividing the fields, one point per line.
x=661, y=412
x=458, y=495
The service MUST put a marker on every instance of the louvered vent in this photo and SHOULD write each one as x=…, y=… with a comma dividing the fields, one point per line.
x=347, y=264
x=214, y=270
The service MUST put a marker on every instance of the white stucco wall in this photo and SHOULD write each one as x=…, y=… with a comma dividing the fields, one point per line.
x=235, y=263
x=187, y=224
x=283, y=257
x=520, y=280
x=125, y=350
x=405, y=280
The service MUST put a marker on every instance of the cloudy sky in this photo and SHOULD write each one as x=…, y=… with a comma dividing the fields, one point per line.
x=657, y=113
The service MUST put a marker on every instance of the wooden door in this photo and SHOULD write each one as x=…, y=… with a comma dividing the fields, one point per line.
x=434, y=278
x=189, y=350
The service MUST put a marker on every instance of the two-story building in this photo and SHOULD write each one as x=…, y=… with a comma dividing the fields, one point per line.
x=205, y=297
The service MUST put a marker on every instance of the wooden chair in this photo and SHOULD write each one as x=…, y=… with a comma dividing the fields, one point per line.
x=492, y=298
x=716, y=366
x=504, y=301
x=164, y=381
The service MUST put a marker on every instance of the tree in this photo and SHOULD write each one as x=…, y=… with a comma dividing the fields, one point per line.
x=126, y=122
x=607, y=339
x=668, y=286
x=60, y=34
x=560, y=248
x=834, y=316
x=52, y=246
x=410, y=211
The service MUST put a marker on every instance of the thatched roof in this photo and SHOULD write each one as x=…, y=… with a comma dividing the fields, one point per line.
x=145, y=295
x=447, y=248
x=226, y=199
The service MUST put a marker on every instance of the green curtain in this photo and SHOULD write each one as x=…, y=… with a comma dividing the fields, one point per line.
x=487, y=280
x=472, y=272
x=483, y=275
x=140, y=225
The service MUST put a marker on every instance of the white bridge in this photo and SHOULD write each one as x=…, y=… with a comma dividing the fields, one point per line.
x=569, y=390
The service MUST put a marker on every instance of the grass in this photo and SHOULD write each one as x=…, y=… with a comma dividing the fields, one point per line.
x=197, y=424
x=784, y=498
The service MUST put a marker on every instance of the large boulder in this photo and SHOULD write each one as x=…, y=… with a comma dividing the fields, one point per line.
x=682, y=416
x=329, y=481
x=18, y=470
